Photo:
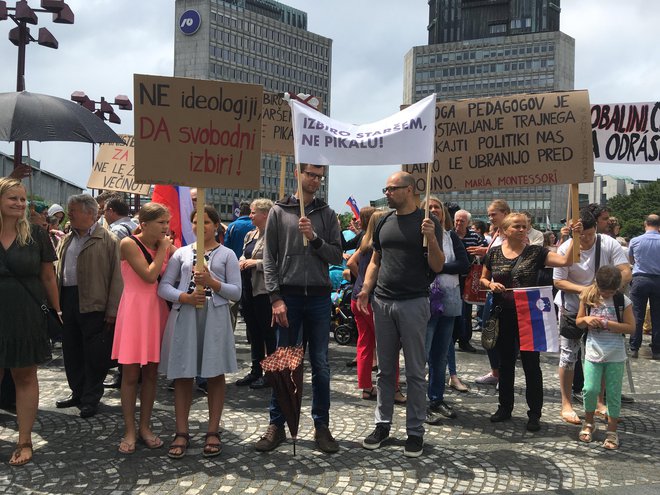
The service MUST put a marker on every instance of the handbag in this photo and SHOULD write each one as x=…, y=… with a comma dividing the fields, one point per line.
x=472, y=292
x=490, y=330
x=53, y=323
x=567, y=326
x=491, y=327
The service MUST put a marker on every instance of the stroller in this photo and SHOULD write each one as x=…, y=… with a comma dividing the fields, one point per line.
x=342, y=321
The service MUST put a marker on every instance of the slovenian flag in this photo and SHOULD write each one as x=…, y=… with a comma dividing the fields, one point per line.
x=537, y=320
x=352, y=204
x=178, y=201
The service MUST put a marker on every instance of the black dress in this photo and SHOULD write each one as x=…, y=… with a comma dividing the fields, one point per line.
x=23, y=334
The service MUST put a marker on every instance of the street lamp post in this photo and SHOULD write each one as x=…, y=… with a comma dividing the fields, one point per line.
x=104, y=110
x=22, y=15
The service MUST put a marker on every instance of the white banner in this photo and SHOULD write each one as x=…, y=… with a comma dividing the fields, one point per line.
x=626, y=132
x=406, y=137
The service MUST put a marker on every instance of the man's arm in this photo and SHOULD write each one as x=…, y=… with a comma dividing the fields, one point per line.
x=370, y=278
x=327, y=244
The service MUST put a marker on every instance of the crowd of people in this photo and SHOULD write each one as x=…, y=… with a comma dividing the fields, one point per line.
x=121, y=293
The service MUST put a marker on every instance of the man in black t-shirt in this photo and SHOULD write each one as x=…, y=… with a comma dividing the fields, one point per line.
x=399, y=273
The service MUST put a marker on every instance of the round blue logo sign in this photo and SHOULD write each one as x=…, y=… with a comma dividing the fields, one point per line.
x=189, y=22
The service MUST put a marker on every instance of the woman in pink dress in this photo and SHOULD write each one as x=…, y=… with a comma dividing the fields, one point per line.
x=141, y=320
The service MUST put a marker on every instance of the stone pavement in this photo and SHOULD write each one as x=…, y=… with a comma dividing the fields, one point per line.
x=465, y=455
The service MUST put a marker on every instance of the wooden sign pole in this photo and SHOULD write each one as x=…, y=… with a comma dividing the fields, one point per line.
x=575, y=216
x=282, y=174
x=301, y=200
x=199, y=231
x=426, y=197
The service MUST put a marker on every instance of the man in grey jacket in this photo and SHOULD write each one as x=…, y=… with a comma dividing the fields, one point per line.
x=298, y=282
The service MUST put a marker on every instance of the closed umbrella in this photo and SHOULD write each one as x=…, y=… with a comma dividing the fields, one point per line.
x=283, y=370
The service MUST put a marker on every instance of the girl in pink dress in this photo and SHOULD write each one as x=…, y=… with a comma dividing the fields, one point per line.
x=141, y=320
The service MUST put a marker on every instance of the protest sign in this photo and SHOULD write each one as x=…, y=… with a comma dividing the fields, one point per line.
x=511, y=141
x=626, y=132
x=114, y=167
x=276, y=126
x=197, y=133
x=405, y=137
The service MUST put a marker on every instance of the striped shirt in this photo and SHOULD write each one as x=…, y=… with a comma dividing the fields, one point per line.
x=604, y=346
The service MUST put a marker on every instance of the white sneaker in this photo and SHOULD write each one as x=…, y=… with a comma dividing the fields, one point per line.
x=487, y=379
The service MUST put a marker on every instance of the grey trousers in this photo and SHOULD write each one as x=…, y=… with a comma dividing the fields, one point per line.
x=401, y=324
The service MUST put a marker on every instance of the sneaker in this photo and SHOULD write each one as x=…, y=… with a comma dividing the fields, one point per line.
x=626, y=399
x=247, y=379
x=487, y=379
x=466, y=347
x=433, y=417
x=577, y=397
x=414, y=446
x=324, y=440
x=274, y=436
x=443, y=408
x=377, y=437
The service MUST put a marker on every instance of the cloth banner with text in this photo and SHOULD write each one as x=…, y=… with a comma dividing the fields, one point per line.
x=405, y=137
x=114, y=168
x=626, y=132
x=510, y=141
x=197, y=133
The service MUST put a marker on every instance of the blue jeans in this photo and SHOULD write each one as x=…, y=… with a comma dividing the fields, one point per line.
x=309, y=324
x=438, y=339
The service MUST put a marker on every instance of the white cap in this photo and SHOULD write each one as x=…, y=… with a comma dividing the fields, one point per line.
x=55, y=209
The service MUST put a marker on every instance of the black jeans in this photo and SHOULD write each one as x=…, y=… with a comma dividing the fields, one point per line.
x=257, y=312
x=86, y=344
x=508, y=347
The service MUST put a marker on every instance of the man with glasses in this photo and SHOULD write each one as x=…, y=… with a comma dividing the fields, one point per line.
x=298, y=281
x=399, y=274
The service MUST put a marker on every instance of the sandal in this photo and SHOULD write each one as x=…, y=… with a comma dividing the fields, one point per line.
x=587, y=432
x=611, y=440
x=601, y=413
x=212, y=449
x=399, y=398
x=126, y=447
x=13, y=460
x=571, y=418
x=177, y=451
x=369, y=394
x=152, y=442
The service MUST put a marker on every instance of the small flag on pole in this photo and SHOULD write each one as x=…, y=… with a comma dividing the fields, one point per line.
x=537, y=320
x=352, y=204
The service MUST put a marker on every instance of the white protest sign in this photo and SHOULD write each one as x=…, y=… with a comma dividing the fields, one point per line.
x=114, y=168
x=405, y=137
x=626, y=132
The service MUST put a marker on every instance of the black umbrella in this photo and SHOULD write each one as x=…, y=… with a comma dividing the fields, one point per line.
x=26, y=116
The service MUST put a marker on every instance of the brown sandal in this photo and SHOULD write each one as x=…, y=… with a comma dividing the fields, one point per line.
x=212, y=449
x=178, y=451
x=17, y=453
x=369, y=394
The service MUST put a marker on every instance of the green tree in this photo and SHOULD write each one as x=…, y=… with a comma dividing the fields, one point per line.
x=631, y=210
x=345, y=219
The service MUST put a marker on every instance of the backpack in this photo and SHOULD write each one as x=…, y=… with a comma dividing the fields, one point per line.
x=619, y=306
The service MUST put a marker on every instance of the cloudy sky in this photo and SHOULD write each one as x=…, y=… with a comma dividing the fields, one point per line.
x=113, y=39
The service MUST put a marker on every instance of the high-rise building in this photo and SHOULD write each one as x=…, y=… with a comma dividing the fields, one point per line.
x=253, y=41
x=479, y=48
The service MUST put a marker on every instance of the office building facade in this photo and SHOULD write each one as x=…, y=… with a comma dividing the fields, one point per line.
x=526, y=54
x=253, y=41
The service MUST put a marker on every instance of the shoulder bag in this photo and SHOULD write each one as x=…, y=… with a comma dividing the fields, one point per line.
x=567, y=327
x=491, y=327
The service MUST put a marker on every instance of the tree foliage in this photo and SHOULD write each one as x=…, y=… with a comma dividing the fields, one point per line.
x=345, y=219
x=631, y=210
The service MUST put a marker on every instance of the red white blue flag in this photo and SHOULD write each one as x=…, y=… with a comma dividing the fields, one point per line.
x=352, y=204
x=537, y=320
x=178, y=201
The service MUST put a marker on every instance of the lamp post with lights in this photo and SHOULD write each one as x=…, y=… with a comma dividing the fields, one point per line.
x=22, y=15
